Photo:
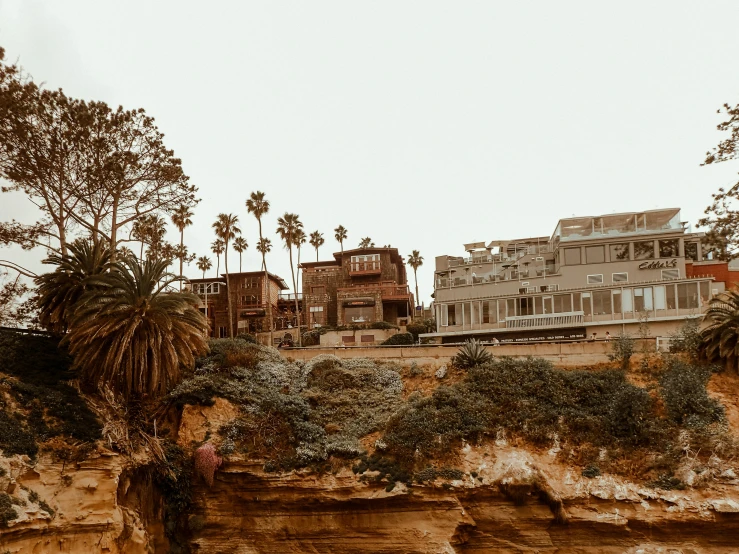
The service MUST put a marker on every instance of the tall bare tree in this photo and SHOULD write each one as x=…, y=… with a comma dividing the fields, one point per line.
x=287, y=227
x=258, y=206
x=226, y=230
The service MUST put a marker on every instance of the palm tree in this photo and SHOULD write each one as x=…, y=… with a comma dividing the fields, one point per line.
x=240, y=245
x=59, y=292
x=366, y=242
x=287, y=227
x=217, y=247
x=204, y=264
x=257, y=205
x=154, y=229
x=133, y=335
x=263, y=246
x=168, y=252
x=316, y=240
x=300, y=240
x=415, y=260
x=181, y=219
x=340, y=234
x=140, y=231
x=721, y=337
x=226, y=230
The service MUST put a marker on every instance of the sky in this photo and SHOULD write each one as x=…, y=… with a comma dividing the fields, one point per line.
x=424, y=125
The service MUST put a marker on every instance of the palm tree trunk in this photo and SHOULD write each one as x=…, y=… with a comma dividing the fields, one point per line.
x=415, y=278
x=295, y=289
x=218, y=264
x=269, y=288
x=316, y=253
x=182, y=257
x=240, y=263
x=203, y=274
x=228, y=292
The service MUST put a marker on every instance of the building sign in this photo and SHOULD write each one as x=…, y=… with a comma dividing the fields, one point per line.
x=253, y=313
x=358, y=303
x=519, y=337
x=658, y=264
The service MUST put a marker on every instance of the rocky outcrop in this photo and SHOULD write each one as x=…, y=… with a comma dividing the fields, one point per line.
x=69, y=508
x=514, y=504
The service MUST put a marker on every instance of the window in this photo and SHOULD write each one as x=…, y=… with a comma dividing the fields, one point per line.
x=367, y=338
x=644, y=250
x=572, y=256
x=444, y=315
x=206, y=288
x=595, y=254
x=526, y=305
x=359, y=314
x=660, y=300
x=548, y=307
x=318, y=289
x=687, y=296
x=489, y=312
x=619, y=252
x=691, y=251
x=627, y=300
x=317, y=316
x=562, y=303
x=511, y=307
x=668, y=248
x=366, y=262
x=247, y=299
x=617, y=305
x=222, y=332
x=250, y=283
x=671, y=298
x=348, y=339
x=704, y=292
x=586, y=306
x=620, y=277
x=595, y=279
x=670, y=274
x=643, y=299
x=602, y=302
x=452, y=308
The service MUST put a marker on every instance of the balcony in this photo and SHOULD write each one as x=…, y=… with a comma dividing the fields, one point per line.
x=387, y=292
x=357, y=269
x=290, y=297
x=545, y=321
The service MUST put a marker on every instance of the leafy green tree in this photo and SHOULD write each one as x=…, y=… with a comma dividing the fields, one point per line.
x=722, y=217
x=60, y=291
x=287, y=227
x=226, y=230
x=128, y=332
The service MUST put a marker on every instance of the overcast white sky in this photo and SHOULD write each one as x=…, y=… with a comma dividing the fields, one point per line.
x=423, y=125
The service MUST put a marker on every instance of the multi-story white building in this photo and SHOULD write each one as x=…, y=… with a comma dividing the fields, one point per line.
x=598, y=274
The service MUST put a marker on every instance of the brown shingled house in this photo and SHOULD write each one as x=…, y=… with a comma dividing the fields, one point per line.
x=360, y=286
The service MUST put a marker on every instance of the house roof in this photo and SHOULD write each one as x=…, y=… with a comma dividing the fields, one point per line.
x=276, y=278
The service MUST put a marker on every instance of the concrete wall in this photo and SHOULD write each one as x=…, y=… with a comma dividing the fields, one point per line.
x=564, y=354
x=336, y=338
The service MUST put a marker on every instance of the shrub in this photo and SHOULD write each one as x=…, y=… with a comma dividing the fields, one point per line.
x=591, y=471
x=416, y=329
x=683, y=389
x=312, y=338
x=399, y=339
x=382, y=325
x=7, y=512
x=246, y=337
x=623, y=347
x=472, y=354
x=207, y=461
x=687, y=339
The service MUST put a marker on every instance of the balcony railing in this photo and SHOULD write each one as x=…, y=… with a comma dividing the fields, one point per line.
x=388, y=292
x=291, y=296
x=365, y=268
x=546, y=321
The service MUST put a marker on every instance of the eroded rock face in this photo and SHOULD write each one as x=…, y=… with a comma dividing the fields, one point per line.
x=76, y=508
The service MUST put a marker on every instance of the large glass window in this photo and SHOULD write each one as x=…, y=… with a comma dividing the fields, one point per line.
x=627, y=301
x=691, y=251
x=595, y=254
x=501, y=310
x=572, y=256
x=602, y=302
x=444, y=315
x=466, y=313
x=687, y=296
x=453, y=314
x=576, y=303
x=526, y=305
x=644, y=250
x=668, y=248
x=360, y=314
x=660, y=300
x=617, y=307
x=643, y=299
x=548, y=309
x=671, y=298
x=562, y=303
x=705, y=294
x=619, y=252
x=538, y=308
x=586, y=305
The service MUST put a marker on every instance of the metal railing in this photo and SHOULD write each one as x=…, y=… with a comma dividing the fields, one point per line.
x=566, y=319
x=291, y=296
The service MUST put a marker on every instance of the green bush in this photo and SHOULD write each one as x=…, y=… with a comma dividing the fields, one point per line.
x=399, y=339
x=312, y=338
x=7, y=512
x=384, y=325
x=622, y=348
x=683, y=389
x=246, y=337
x=687, y=339
x=471, y=354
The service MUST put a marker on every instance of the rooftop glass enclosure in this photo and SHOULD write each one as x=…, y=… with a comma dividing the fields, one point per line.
x=615, y=225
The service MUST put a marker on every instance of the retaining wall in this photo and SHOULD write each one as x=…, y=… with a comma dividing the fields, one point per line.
x=562, y=354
